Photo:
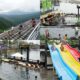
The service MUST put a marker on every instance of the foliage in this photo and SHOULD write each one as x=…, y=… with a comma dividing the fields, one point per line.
x=73, y=41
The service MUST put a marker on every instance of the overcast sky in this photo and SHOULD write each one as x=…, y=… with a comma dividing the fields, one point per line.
x=24, y=5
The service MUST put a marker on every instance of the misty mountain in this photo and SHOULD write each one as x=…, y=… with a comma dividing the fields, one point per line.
x=4, y=24
x=12, y=19
x=17, y=12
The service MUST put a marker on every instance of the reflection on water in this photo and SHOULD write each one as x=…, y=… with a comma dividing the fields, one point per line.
x=8, y=72
x=20, y=73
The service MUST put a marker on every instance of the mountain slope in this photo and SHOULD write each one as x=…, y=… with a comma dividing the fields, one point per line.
x=17, y=19
x=8, y=20
x=4, y=24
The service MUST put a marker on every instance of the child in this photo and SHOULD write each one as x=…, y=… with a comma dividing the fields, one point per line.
x=62, y=47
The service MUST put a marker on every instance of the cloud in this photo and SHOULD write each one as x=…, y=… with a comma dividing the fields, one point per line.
x=25, y=5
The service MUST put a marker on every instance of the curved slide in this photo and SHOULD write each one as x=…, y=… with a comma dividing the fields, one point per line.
x=69, y=60
x=63, y=71
x=73, y=51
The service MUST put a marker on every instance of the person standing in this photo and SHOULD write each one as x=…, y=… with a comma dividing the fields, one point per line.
x=47, y=33
x=60, y=37
x=62, y=47
x=65, y=39
x=20, y=30
x=33, y=22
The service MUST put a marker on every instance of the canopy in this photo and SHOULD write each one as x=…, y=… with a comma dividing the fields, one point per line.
x=17, y=55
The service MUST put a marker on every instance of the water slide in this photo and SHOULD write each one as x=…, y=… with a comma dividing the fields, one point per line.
x=73, y=51
x=70, y=60
x=63, y=71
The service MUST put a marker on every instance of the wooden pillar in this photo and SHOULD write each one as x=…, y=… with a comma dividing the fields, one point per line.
x=28, y=54
x=21, y=50
x=46, y=53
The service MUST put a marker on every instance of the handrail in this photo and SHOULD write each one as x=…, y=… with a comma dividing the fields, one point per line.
x=34, y=34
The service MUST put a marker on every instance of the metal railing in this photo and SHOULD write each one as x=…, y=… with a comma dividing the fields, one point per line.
x=35, y=33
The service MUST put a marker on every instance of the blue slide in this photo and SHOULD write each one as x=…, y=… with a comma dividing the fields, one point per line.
x=63, y=71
